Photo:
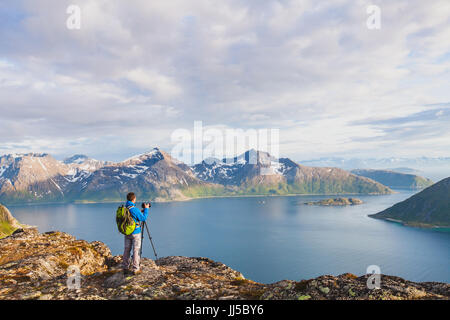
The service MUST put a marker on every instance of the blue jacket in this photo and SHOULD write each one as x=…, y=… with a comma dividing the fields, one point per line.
x=137, y=215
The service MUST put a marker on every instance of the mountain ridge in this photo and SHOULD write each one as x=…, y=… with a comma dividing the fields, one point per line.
x=266, y=175
x=428, y=208
x=155, y=175
x=394, y=179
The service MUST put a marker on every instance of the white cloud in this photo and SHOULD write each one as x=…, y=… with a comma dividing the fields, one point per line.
x=160, y=85
x=310, y=68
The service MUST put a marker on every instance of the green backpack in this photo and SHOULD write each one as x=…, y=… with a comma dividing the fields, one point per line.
x=124, y=220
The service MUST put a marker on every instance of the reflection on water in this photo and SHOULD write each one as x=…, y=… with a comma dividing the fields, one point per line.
x=270, y=238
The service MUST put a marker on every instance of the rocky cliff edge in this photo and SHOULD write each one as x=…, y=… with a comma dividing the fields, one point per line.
x=34, y=265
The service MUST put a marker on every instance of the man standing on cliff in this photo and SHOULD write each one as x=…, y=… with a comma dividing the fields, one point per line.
x=133, y=241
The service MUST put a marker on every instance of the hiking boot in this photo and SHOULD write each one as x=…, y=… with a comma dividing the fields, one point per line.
x=136, y=272
x=127, y=271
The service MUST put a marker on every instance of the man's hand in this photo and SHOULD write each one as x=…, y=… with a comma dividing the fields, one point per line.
x=146, y=205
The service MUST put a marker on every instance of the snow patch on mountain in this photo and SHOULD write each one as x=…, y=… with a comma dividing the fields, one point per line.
x=3, y=170
x=76, y=159
x=154, y=153
x=129, y=175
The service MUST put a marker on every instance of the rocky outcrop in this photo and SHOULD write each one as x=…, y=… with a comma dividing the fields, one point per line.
x=336, y=202
x=8, y=224
x=34, y=266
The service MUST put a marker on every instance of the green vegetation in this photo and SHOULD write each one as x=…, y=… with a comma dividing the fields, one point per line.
x=246, y=189
x=6, y=229
x=430, y=207
x=7, y=222
x=395, y=179
x=25, y=197
x=352, y=185
x=302, y=285
x=199, y=191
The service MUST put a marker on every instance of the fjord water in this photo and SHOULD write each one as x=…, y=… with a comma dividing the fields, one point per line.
x=268, y=238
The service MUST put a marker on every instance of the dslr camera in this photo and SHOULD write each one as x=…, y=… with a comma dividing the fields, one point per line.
x=144, y=203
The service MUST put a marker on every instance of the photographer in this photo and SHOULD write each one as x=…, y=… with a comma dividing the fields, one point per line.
x=134, y=240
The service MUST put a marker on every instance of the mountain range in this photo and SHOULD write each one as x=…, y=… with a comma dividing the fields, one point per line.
x=394, y=179
x=155, y=175
x=430, y=207
x=256, y=172
x=434, y=168
x=379, y=163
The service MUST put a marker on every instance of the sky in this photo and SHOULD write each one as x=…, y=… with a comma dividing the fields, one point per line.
x=136, y=71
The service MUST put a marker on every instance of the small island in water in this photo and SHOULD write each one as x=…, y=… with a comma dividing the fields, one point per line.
x=335, y=202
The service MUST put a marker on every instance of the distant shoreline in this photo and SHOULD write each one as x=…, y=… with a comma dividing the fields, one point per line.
x=197, y=198
x=412, y=224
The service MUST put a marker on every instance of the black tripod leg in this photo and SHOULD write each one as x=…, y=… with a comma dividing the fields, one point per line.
x=142, y=238
x=151, y=241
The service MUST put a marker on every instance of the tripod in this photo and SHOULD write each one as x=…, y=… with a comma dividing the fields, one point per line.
x=144, y=224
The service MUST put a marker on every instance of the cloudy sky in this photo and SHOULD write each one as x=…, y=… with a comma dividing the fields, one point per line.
x=138, y=70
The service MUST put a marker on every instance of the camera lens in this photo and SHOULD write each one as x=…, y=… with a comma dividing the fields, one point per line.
x=143, y=205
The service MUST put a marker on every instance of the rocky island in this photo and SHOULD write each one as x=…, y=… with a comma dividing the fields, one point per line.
x=335, y=202
x=8, y=224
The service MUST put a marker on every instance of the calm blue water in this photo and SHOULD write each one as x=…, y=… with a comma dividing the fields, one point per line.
x=268, y=239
